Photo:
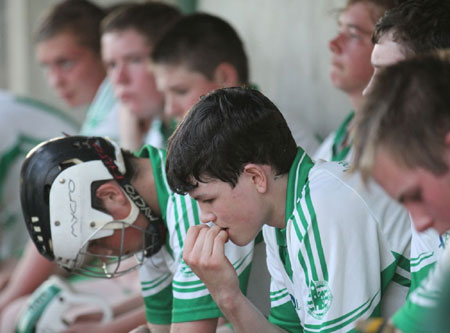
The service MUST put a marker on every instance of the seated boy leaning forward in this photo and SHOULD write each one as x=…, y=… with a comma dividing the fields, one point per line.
x=332, y=247
x=402, y=140
x=89, y=205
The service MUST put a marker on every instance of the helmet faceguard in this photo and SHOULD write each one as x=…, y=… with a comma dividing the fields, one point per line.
x=58, y=195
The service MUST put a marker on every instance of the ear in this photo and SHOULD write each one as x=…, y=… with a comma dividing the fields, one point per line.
x=258, y=176
x=226, y=75
x=114, y=199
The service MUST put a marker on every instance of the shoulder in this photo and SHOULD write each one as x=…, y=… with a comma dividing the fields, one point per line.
x=104, y=97
x=324, y=150
x=332, y=178
x=334, y=190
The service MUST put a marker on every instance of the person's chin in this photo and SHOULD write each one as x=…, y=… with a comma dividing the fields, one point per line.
x=335, y=77
x=73, y=103
x=141, y=113
x=69, y=100
x=239, y=241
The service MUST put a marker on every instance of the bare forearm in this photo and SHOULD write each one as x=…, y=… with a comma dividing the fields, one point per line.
x=30, y=272
x=129, y=304
x=204, y=253
x=124, y=323
x=244, y=316
x=204, y=326
x=6, y=269
x=130, y=320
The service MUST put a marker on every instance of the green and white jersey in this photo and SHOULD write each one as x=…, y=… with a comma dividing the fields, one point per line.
x=159, y=133
x=430, y=277
x=342, y=248
x=337, y=146
x=102, y=117
x=24, y=124
x=172, y=292
x=424, y=246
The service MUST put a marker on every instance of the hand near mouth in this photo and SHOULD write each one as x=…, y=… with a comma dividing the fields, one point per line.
x=204, y=252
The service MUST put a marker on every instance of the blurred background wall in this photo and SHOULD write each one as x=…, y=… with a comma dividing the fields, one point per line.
x=286, y=42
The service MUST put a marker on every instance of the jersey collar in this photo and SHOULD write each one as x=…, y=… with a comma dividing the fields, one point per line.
x=342, y=142
x=298, y=176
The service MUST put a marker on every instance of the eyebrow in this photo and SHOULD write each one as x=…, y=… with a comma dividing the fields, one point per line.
x=198, y=197
x=355, y=26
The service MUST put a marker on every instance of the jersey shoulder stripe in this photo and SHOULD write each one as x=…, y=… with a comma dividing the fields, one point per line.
x=43, y=107
x=157, y=159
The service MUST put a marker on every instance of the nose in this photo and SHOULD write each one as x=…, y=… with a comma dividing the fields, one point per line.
x=99, y=250
x=206, y=216
x=171, y=107
x=421, y=220
x=335, y=44
x=121, y=74
x=55, y=77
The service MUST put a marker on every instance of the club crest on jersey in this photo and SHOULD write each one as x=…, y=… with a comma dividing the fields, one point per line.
x=319, y=299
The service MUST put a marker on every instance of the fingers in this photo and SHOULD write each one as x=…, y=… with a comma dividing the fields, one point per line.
x=205, y=254
x=204, y=245
x=219, y=244
x=191, y=238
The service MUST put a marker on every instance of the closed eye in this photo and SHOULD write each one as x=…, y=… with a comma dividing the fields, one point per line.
x=412, y=197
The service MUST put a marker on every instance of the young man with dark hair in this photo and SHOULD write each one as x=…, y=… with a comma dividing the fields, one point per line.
x=76, y=24
x=332, y=248
x=67, y=40
x=128, y=37
x=200, y=53
x=402, y=139
x=414, y=27
x=95, y=201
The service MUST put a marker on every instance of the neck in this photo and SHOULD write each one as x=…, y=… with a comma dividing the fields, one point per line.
x=278, y=188
x=144, y=183
x=356, y=100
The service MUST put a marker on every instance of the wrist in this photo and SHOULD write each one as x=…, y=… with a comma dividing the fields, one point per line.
x=229, y=302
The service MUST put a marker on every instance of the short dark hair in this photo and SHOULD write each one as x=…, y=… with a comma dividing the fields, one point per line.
x=418, y=25
x=150, y=19
x=202, y=42
x=81, y=18
x=406, y=113
x=223, y=132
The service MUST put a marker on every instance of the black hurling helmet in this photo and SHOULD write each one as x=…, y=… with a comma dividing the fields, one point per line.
x=57, y=199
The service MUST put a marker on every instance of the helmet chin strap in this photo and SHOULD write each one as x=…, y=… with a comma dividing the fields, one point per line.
x=155, y=230
x=130, y=219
